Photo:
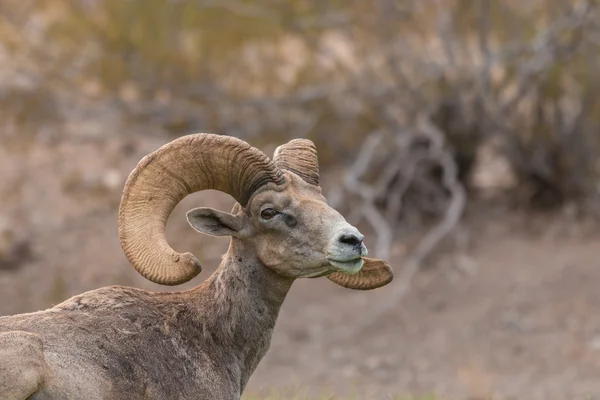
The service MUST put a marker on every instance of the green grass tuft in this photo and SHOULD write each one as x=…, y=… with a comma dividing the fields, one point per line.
x=275, y=395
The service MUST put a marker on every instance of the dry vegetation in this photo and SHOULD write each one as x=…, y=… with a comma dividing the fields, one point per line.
x=456, y=76
x=407, y=100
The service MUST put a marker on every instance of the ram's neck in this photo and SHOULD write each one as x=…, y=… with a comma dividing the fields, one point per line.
x=245, y=298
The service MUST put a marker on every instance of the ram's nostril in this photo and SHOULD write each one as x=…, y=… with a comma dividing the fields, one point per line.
x=351, y=239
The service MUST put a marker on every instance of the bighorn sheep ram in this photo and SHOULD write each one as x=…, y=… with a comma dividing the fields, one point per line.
x=124, y=343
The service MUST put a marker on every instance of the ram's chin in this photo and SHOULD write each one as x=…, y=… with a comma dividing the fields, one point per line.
x=349, y=267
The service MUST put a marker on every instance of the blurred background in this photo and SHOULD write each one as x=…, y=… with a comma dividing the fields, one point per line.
x=461, y=136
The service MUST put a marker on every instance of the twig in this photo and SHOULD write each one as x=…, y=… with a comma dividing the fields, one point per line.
x=445, y=32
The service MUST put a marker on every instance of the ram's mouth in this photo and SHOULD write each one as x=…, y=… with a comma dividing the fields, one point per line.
x=349, y=267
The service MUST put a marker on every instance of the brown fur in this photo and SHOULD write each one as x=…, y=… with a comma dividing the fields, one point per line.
x=126, y=343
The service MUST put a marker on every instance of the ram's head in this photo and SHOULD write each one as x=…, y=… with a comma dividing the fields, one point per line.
x=281, y=215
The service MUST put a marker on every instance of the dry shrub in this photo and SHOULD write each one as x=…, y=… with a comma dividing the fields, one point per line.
x=518, y=74
x=341, y=72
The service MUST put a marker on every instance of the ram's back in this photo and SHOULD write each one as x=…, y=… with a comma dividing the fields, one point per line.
x=121, y=342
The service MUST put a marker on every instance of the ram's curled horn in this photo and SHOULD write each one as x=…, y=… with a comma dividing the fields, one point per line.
x=163, y=178
x=300, y=157
x=374, y=274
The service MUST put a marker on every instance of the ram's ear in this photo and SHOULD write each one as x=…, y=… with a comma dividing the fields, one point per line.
x=214, y=222
x=374, y=274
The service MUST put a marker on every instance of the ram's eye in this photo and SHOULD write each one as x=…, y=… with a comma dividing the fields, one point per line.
x=268, y=213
